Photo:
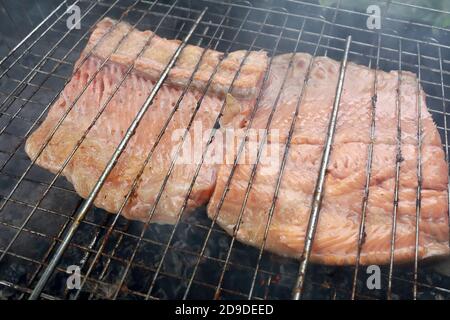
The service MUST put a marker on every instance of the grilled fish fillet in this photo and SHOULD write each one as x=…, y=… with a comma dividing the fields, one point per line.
x=336, y=237
x=338, y=227
x=90, y=159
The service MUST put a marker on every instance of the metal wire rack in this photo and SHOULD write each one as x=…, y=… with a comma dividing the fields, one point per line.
x=45, y=227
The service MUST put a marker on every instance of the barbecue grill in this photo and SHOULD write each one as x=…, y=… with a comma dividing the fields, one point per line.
x=45, y=227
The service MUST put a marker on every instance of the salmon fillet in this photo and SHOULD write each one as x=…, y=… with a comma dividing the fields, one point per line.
x=159, y=52
x=90, y=159
x=336, y=237
x=338, y=227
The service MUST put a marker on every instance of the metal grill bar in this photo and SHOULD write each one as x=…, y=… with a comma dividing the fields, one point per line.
x=444, y=111
x=26, y=290
x=152, y=211
x=132, y=189
x=419, y=173
x=17, y=46
x=240, y=150
x=283, y=163
x=430, y=95
x=149, y=269
x=424, y=285
x=420, y=7
x=321, y=19
x=306, y=32
x=57, y=65
x=318, y=192
x=150, y=154
x=398, y=162
x=425, y=62
x=191, y=279
x=81, y=62
x=386, y=2
x=31, y=76
x=253, y=172
x=333, y=21
x=42, y=114
x=129, y=133
x=110, y=229
x=30, y=46
x=48, y=140
x=394, y=36
x=50, y=185
x=361, y=233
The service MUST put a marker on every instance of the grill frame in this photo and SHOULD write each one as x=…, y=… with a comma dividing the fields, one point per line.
x=335, y=44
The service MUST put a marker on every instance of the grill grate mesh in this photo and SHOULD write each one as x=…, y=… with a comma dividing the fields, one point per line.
x=193, y=259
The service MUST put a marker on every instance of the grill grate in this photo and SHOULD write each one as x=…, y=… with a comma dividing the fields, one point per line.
x=45, y=227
